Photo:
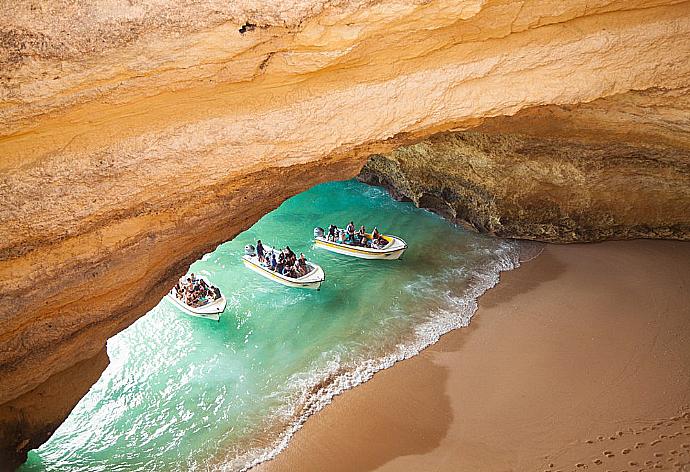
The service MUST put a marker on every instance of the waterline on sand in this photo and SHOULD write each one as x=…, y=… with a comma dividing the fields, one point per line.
x=325, y=385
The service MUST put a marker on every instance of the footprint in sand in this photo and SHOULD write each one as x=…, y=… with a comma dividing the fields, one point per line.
x=579, y=464
x=625, y=451
x=655, y=442
x=597, y=461
x=589, y=441
x=658, y=454
x=686, y=446
x=639, y=445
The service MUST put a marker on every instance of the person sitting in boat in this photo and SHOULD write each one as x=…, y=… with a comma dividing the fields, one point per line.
x=361, y=237
x=290, y=257
x=196, y=292
x=281, y=262
x=348, y=238
x=379, y=243
x=375, y=233
x=350, y=230
x=301, y=265
x=260, y=251
x=274, y=261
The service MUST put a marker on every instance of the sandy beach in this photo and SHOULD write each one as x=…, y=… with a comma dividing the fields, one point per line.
x=578, y=360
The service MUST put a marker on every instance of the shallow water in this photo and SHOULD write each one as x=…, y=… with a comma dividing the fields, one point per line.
x=193, y=394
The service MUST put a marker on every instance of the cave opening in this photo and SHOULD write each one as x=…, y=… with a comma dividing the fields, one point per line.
x=187, y=387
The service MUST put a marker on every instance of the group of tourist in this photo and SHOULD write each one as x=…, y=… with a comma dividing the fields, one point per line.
x=356, y=238
x=195, y=292
x=285, y=262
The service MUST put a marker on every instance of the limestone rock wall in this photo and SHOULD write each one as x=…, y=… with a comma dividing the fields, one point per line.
x=136, y=135
x=615, y=168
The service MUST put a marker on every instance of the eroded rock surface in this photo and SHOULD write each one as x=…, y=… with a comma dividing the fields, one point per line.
x=137, y=135
x=615, y=168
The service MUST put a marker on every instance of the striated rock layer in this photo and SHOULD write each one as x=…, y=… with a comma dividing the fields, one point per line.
x=137, y=135
x=615, y=168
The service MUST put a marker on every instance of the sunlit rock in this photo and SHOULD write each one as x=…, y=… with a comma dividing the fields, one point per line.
x=135, y=136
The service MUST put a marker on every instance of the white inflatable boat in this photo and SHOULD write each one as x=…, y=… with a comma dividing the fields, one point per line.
x=393, y=250
x=312, y=280
x=211, y=310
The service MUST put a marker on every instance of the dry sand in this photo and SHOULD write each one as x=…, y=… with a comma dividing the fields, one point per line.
x=578, y=360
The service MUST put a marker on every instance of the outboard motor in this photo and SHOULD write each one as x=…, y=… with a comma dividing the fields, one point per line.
x=250, y=250
x=318, y=232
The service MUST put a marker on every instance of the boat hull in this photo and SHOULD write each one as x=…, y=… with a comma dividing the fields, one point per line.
x=396, y=249
x=209, y=312
x=311, y=281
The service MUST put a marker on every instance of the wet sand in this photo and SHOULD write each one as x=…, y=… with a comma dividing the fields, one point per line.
x=578, y=360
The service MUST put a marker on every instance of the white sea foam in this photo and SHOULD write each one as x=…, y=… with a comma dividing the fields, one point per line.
x=321, y=385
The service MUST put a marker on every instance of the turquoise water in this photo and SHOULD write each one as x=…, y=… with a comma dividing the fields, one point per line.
x=185, y=393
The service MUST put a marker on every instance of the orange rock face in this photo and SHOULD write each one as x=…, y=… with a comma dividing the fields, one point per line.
x=135, y=136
